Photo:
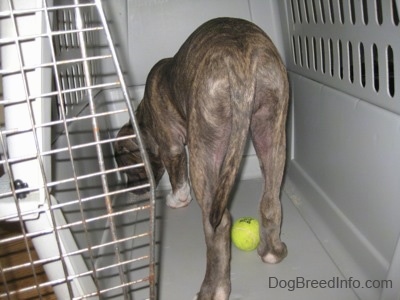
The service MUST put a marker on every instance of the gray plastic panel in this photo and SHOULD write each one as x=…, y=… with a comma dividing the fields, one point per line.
x=349, y=45
x=346, y=166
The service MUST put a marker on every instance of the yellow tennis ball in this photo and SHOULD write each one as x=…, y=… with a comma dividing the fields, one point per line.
x=245, y=233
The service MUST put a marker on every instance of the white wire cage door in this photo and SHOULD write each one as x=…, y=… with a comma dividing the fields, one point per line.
x=64, y=97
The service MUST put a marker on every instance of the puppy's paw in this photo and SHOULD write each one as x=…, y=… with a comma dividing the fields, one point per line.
x=181, y=198
x=220, y=294
x=274, y=257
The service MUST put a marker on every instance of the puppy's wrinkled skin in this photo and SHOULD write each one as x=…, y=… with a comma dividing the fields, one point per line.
x=226, y=80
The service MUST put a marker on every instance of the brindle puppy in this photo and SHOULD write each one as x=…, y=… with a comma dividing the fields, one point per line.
x=227, y=79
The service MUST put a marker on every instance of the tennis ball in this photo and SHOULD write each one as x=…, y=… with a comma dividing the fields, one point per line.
x=245, y=235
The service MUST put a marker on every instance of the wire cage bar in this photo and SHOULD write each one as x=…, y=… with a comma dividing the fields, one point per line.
x=67, y=222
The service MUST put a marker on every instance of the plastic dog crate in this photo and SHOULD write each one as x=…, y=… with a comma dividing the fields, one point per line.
x=342, y=186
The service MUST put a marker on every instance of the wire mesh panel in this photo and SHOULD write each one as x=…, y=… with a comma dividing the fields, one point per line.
x=66, y=220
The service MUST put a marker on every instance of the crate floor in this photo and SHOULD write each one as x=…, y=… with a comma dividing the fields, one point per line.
x=182, y=255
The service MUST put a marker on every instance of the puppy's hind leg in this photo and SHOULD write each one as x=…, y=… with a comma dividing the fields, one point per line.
x=268, y=136
x=206, y=157
x=204, y=176
x=214, y=165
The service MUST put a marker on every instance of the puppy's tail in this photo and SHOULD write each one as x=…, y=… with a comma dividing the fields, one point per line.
x=242, y=96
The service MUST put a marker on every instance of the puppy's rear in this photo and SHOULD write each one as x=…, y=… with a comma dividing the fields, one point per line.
x=227, y=79
x=231, y=79
x=227, y=70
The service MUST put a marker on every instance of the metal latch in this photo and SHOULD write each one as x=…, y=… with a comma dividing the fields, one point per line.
x=19, y=184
